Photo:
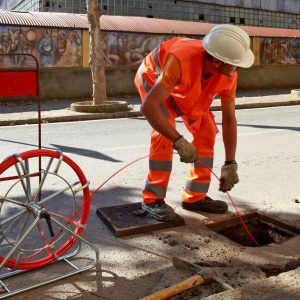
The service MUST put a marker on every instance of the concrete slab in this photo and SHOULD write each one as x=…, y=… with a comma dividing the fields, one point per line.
x=281, y=287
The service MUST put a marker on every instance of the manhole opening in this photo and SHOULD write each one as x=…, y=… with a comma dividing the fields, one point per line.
x=264, y=229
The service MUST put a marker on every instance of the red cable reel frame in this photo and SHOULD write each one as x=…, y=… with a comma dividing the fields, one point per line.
x=84, y=208
x=22, y=83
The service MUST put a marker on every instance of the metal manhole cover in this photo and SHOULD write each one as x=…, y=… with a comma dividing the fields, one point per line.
x=122, y=221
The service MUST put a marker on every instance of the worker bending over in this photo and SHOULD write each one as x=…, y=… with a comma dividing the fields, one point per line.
x=180, y=78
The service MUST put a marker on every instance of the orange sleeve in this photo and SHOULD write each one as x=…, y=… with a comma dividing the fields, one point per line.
x=171, y=73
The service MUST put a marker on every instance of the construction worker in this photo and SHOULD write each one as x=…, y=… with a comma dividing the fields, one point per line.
x=180, y=78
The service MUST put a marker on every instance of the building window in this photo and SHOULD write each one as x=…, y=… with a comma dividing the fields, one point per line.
x=232, y=20
x=201, y=17
x=242, y=20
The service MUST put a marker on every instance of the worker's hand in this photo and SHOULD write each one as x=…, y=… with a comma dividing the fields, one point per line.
x=186, y=150
x=229, y=177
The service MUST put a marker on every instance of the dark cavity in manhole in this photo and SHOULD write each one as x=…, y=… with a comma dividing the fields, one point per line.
x=264, y=229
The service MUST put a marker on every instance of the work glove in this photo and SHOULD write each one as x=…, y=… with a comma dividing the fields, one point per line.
x=229, y=176
x=186, y=150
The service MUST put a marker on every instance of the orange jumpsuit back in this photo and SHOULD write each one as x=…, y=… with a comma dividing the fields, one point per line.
x=190, y=100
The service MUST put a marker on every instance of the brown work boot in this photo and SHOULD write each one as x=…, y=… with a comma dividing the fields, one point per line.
x=207, y=205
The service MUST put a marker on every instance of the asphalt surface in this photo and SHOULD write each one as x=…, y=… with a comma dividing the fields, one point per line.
x=135, y=266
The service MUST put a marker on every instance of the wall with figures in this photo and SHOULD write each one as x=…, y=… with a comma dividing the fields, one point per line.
x=63, y=56
x=52, y=47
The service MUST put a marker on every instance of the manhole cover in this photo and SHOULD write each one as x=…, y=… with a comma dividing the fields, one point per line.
x=264, y=229
x=123, y=220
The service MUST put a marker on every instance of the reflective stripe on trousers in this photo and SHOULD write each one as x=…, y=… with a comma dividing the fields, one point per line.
x=160, y=164
x=199, y=176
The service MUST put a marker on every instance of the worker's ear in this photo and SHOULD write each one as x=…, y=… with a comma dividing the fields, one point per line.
x=217, y=63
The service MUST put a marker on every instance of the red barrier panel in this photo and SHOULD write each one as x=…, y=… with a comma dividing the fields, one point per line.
x=14, y=83
x=21, y=80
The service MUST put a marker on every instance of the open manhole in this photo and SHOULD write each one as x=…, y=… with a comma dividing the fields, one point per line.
x=264, y=229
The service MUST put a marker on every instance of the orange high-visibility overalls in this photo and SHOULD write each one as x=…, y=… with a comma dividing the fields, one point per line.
x=191, y=100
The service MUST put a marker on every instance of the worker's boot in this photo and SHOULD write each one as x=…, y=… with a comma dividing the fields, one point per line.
x=207, y=205
x=160, y=211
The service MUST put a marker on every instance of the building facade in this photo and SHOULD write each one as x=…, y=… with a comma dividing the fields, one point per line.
x=60, y=44
x=265, y=13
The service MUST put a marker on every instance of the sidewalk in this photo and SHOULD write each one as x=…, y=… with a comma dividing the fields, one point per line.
x=19, y=113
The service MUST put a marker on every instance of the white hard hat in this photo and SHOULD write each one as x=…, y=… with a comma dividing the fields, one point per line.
x=230, y=44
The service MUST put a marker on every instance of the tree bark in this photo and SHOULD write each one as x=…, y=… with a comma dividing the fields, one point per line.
x=96, y=60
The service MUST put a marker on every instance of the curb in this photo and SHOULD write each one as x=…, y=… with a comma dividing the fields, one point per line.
x=65, y=115
x=72, y=118
x=259, y=104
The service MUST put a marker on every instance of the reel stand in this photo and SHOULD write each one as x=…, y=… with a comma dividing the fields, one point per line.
x=42, y=215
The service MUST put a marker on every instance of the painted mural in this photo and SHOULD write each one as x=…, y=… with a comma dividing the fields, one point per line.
x=52, y=47
x=279, y=51
x=129, y=48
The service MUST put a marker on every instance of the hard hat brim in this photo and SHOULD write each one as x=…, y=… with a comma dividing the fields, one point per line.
x=246, y=62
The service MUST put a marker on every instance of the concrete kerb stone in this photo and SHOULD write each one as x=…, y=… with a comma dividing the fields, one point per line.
x=295, y=93
x=124, y=109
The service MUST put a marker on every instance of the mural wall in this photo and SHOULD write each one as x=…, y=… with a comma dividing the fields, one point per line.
x=129, y=48
x=52, y=47
x=69, y=48
x=279, y=51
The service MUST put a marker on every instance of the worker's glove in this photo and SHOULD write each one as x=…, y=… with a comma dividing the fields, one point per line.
x=186, y=150
x=229, y=176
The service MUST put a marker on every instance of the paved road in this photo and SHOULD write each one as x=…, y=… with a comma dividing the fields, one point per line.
x=269, y=169
x=268, y=154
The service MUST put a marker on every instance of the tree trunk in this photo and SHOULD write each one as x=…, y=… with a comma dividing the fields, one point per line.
x=96, y=61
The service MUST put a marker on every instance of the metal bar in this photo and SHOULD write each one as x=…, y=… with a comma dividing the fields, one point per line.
x=58, y=163
x=82, y=269
x=48, y=281
x=4, y=285
x=19, y=235
x=75, y=235
x=71, y=264
x=12, y=217
x=28, y=185
x=16, y=272
x=12, y=251
x=7, y=229
x=12, y=201
x=57, y=193
x=22, y=182
x=42, y=180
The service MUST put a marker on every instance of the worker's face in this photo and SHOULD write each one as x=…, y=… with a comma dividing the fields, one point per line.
x=225, y=69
